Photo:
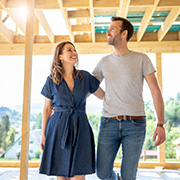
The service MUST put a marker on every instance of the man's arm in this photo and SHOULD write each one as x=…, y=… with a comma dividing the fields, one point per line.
x=159, y=107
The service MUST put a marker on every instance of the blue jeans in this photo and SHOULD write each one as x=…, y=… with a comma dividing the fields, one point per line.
x=113, y=133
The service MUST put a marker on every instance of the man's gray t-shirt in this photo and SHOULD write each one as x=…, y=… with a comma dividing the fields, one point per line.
x=124, y=76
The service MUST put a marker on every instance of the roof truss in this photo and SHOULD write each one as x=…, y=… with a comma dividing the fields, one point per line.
x=87, y=21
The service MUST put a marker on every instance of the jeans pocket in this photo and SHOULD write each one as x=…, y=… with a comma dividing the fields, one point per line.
x=104, y=120
x=141, y=122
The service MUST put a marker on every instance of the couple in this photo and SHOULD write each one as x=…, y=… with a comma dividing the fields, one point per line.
x=67, y=138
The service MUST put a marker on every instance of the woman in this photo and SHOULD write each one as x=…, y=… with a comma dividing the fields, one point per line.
x=67, y=138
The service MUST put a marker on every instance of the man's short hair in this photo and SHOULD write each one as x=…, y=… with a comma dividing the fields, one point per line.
x=126, y=25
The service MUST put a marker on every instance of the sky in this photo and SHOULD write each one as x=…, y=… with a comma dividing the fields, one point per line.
x=12, y=77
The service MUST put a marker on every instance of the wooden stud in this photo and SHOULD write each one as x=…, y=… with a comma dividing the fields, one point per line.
x=161, y=148
x=27, y=91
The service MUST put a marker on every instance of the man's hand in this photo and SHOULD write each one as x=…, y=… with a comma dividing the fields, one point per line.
x=160, y=134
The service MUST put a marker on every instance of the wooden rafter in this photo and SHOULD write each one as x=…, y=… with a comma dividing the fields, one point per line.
x=14, y=15
x=123, y=8
x=92, y=19
x=94, y=48
x=67, y=21
x=8, y=34
x=42, y=19
x=17, y=19
x=146, y=19
x=172, y=16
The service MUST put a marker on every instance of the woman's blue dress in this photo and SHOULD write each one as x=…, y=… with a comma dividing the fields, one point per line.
x=69, y=146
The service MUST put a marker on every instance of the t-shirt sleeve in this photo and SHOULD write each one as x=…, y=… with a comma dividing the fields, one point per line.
x=47, y=89
x=93, y=83
x=148, y=67
x=97, y=72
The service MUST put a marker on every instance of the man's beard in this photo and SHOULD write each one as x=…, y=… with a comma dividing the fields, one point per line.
x=114, y=41
x=110, y=41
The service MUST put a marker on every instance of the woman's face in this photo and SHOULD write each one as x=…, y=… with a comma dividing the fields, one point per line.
x=69, y=54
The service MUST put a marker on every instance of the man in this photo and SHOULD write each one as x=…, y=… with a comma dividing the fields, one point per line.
x=123, y=119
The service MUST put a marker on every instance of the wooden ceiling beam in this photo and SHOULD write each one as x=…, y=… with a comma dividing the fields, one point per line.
x=172, y=16
x=82, y=13
x=39, y=39
x=94, y=48
x=53, y=4
x=146, y=19
x=19, y=39
x=42, y=19
x=148, y=37
x=122, y=11
x=8, y=34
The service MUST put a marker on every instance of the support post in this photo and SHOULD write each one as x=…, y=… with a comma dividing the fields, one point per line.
x=27, y=91
x=161, y=148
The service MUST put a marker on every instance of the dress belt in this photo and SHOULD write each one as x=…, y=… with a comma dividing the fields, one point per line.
x=71, y=110
x=124, y=117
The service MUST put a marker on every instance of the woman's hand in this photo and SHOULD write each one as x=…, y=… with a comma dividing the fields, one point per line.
x=42, y=142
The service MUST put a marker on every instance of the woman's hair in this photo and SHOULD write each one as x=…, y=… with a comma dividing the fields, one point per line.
x=126, y=25
x=57, y=71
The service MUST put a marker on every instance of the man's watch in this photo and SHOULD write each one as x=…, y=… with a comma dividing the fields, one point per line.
x=161, y=125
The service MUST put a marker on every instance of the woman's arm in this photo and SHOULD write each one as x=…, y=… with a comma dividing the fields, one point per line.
x=45, y=117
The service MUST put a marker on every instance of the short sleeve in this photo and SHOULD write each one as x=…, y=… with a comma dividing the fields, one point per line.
x=97, y=72
x=47, y=89
x=147, y=67
x=94, y=84
x=91, y=83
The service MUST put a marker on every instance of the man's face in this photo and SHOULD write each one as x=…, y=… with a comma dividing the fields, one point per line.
x=114, y=34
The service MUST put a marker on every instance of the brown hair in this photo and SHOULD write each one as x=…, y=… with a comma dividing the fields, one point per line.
x=126, y=25
x=57, y=71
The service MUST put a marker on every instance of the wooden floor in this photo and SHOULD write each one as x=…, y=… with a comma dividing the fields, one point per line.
x=143, y=174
